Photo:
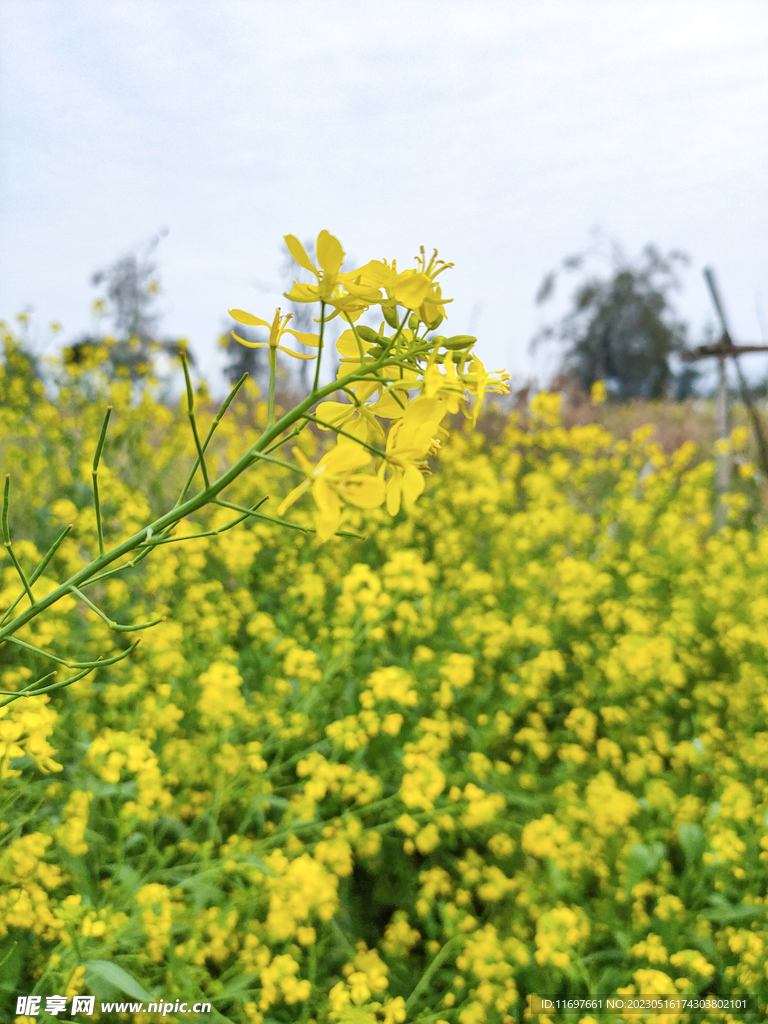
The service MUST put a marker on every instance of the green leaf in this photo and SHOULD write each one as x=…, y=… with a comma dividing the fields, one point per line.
x=240, y=984
x=257, y=862
x=643, y=861
x=724, y=912
x=116, y=976
x=691, y=838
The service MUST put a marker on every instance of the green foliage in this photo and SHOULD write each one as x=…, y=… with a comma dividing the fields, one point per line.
x=505, y=745
x=507, y=741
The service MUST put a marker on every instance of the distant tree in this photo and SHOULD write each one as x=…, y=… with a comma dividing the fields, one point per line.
x=131, y=347
x=621, y=328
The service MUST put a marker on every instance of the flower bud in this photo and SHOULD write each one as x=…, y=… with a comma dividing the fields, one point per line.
x=368, y=334
x=458, y=341
x=390, y=315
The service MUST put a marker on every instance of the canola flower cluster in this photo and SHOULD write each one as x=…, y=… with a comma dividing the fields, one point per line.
x=512, y=743
x=399, y=370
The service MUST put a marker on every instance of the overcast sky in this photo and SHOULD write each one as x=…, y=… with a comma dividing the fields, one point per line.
x=500, y=133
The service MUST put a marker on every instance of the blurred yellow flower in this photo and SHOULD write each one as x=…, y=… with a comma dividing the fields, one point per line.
x=410, y=439
x=335, y=478
x=277, y=329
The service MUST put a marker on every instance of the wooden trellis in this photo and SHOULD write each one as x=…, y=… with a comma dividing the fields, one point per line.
x=724, y=349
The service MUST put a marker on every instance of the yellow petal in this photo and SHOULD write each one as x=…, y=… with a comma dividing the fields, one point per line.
x=330, y=255
x=293, y=496
x=296, y=355
x=357, y=428
x=247, y=318
x=433, y=380
x=477, y=368
x=328, y=510
x=364, y=491
x=363, y=389
x=306, y=339
x=249, y=344
x=393, y=493
x=413, y=485
x=377, y=274
x=362, y=291
x=347, y=345
x=389, y=407
x=299, y=253
x=344, y=458
x=335, y=413
x=411, y=288
x=376, y=435
x=422, y=411
x=303, y=461
x=302, y=292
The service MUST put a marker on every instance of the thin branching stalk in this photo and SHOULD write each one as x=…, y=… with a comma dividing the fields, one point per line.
x=160, y=528
x=193, y=421
x=319, y=348
x=272, y=373
x=95, y=476
x=216, y=421
x=7, y=538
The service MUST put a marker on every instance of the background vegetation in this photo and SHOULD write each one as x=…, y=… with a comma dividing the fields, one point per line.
x=513, y=743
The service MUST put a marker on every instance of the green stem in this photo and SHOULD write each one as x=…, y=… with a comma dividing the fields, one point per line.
x=272, y=372
x=111, y=622
x=279, y=766
x=312, y=982
x=278, y=462
x=285, y=522
x=320, y=348
x=207, y=533
x=190, y=506
x=38, y=571
x=143, y=550
x=95, y=476
x=329, y=426
x=439, y=960
x=7, y=538
x=49, y=555
x=281, y=441
x=193, y=421
x=351, y=951
x=20, y=571
x=46, y=689
x=71, y=664
x=217, y=420
x=13, y=693
x=357, y=337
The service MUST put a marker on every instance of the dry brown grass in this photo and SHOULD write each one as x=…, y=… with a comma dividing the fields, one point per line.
x=675, y=422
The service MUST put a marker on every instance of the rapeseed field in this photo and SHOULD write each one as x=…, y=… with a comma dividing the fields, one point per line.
x=509, y=741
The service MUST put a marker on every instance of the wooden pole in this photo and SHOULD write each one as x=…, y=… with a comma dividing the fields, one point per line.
x=730, y=349
x=723, y=417
x=724, y=348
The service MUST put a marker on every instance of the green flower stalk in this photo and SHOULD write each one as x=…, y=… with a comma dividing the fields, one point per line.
x=396, y=397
